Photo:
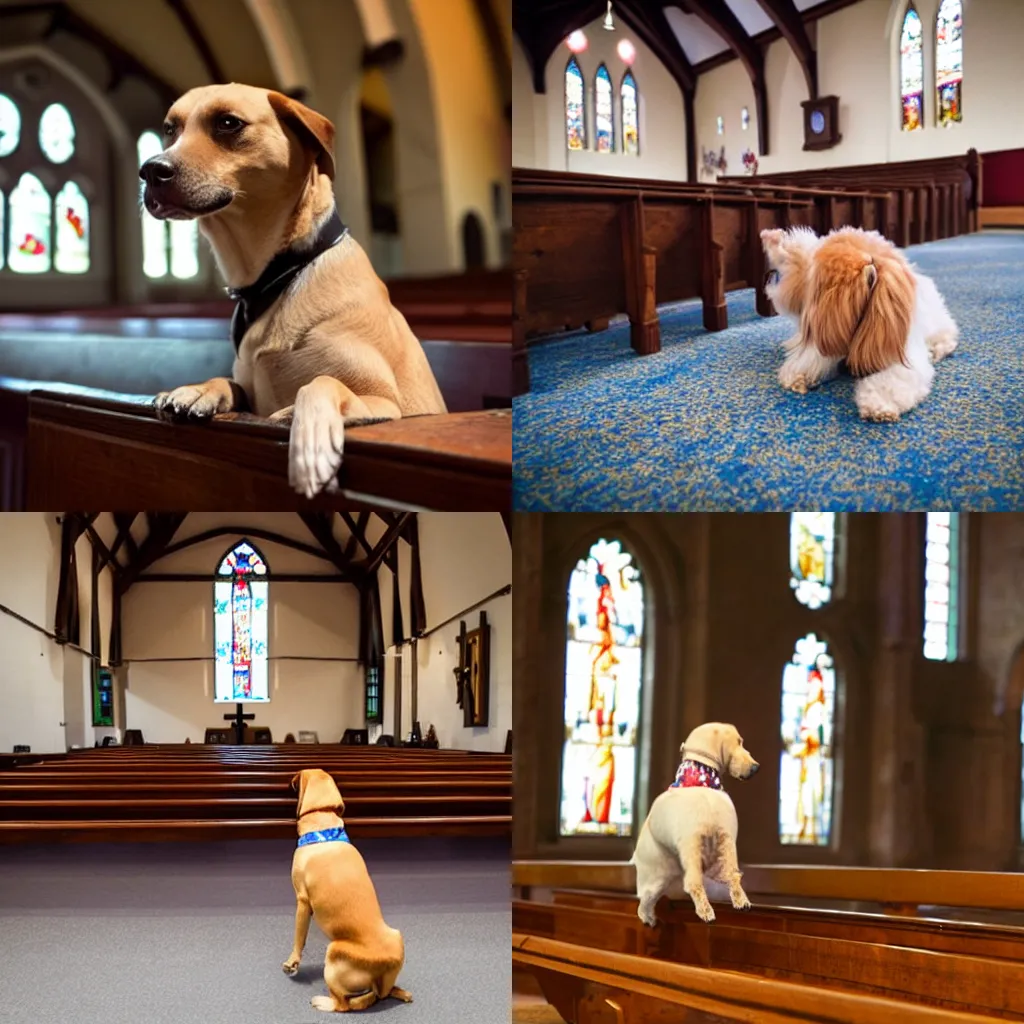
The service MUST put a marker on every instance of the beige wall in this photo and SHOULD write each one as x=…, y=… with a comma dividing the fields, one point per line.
x=538, y=138
x=311, y=627
x=32, y=680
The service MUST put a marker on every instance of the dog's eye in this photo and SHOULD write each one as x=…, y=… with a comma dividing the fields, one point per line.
x=772, y=277
x=228, y=123
x=168, y=129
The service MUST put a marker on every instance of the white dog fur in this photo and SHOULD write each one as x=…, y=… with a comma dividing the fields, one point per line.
x=888, y=312
x=692, y=831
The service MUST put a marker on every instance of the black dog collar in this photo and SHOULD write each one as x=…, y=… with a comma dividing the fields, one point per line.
x=256, y=298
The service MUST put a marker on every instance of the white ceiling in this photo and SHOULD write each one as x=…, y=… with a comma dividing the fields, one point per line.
x=700, y=42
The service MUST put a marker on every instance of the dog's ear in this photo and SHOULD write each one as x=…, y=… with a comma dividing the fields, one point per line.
x=315, y=131
x=295, y=781
x=881, y=336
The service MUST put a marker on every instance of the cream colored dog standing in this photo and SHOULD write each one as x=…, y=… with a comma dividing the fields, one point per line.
x=331, y=883
x=254, y=167
x=692, y=831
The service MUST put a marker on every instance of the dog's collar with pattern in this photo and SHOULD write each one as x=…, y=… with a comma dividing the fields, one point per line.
x=256, y=298
x=327, y=835
x=694, y=773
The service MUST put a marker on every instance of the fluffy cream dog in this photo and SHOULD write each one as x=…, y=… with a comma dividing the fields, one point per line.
x=856, y=297
x=691, y=829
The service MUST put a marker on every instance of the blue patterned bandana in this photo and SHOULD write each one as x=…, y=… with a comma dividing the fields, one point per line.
x=694, y=773
x=328, y=835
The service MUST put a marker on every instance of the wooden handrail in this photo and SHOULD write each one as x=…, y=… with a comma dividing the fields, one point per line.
x=899, y=886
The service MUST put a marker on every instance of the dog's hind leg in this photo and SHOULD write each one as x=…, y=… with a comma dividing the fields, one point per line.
x=328, y=1004
x=656, y=869
x=728, y=870
x=692, y=861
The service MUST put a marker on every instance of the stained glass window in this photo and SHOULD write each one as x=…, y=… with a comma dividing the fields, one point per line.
x=184, y=248
x=912, y=72
x=30, y=215
x=2, y=209
x=949, y=60
x=575, y=108
x=240, y=626
x=57, y=133
x=630, y=115
x=942, y=586
x=720, y=124
x=603, y=665
x=10, y=125
x=154, y=232
x=374, y=711
x=604, y=118
x=806, y=769
x=72, y=253
x=812, y=539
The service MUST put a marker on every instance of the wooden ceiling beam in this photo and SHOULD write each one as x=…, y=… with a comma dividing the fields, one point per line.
x=788, y=20
x=357, y=533
x=384, y=545
x=320, y=524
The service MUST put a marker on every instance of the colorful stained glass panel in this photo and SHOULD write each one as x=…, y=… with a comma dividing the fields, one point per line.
x=949, y=60
x=812, y=537
x=240, y=627
x=630, y=115
x=604, y=119
x=72, y=255
x=30, y=215
x=603, y=673
x=575, y=108
x=912, y=72
x=806, y=768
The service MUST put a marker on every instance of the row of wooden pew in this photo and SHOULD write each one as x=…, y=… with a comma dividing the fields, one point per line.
x=174, y=792
x=588, y=247
x=896, y=951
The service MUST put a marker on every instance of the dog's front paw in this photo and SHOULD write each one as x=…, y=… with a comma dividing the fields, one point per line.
x=740, y=900
x=291, y=965
x=879, y=412
x=193, y=401
x=793, y=380
x=705, y=912
x=647, y=915
x=315, y=446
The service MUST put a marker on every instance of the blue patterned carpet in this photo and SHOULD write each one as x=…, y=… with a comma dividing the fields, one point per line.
x=704, y=425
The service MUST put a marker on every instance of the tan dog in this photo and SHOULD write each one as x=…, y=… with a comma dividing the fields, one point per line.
x=691, y=828
x=331, y=881
x=255, y=168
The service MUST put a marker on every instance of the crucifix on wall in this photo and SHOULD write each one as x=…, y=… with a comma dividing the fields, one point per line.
x=473, y=677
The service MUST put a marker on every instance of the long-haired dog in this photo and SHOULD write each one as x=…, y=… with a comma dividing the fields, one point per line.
x=857, y=298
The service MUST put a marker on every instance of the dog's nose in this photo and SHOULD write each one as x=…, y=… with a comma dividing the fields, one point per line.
x=157, y=170
x=753, y=768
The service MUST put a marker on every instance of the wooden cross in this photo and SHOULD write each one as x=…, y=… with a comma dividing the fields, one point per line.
x=239, y=720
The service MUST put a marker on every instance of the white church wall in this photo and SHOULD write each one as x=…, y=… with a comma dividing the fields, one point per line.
x=315, y=682
x=662, y=120
x=32, y=682
x=464, y=557
x=858, y=61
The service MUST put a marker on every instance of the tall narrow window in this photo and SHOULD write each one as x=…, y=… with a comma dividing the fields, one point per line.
x=604, y=117
x=603, y=666
x=812, y=538
x=184, y=248
x=374, y=705
x=72, y=250
x=10, y=125
x=912, y=71
x=942, y=586
x=806, y=769
x=29, y=251
x=240, y=626
x=949, y=60
x=575, y=108
x=630, y=115
x=168, y=247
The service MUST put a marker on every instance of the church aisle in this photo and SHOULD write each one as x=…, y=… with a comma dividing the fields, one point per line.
x=167, y=933
x=704, y=425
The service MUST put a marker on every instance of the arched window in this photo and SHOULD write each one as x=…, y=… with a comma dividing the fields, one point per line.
x=167, y=246
x=575, y=107
x=603, y=672
x=604, y=114
x=912, y=71
x=10, y=125
x=942, y=586
x=240, y=626
x=630, y=115
x=812, y=538
x=31, y=219
x=72, y=252
x=57, y=133
x=806, y=771
x=949, y=60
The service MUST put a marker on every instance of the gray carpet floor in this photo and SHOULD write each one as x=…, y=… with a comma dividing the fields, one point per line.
x=181, y=933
